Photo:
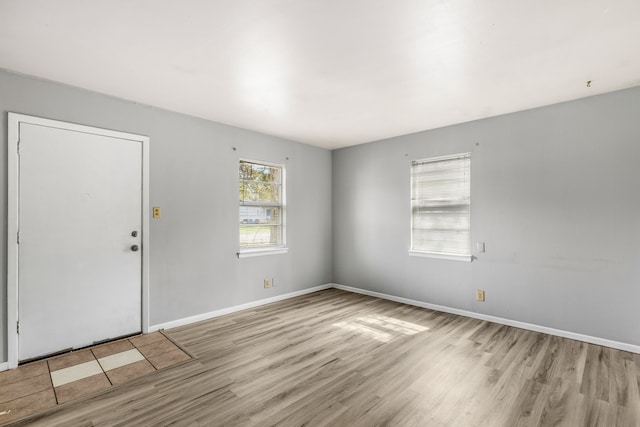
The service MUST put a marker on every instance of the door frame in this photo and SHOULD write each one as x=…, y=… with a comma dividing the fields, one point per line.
x=13, y=181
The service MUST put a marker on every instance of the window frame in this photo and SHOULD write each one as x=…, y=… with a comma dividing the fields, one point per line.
x=468, y=257
x=251, y=251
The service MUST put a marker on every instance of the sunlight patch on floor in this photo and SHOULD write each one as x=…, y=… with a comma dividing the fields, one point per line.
x=381, y=328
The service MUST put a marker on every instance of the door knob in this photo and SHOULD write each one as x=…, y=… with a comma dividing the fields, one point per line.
x=134, y=248
x=134, y=234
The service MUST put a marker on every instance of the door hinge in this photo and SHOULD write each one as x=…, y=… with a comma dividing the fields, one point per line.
x=18, y=237
x=18, y=147
x=18, y=327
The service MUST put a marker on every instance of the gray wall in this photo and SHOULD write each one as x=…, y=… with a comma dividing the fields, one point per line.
x=193, y=178
x=555, y=194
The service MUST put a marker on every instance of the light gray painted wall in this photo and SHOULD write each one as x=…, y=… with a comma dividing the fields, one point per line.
x=555, y=195
x=193, y=178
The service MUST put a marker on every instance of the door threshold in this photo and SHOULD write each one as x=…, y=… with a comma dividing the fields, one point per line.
x=70, y=350
x=46, y=356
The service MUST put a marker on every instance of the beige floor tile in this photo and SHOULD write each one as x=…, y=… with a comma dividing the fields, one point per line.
x=75, y=373
x=70, y=359
x=23, y=372
x=111, y=348
x=28, y=389
x=120, y=359
x=24, y=388
x=147, y=339
x=130, y=372
x=31, y=404
x=168, y=359
x=81, y=388
x=157, y=348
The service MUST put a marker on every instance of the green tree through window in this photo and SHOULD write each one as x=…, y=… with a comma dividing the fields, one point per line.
x=261, y=207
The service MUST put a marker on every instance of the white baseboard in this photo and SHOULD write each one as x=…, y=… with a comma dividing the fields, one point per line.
x=529, y=326
x=522, y=325
x=228, y=310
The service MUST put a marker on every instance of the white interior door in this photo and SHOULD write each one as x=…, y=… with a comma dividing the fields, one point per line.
x=79, y=250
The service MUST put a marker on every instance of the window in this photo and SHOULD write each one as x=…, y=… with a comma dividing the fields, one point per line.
x=441, y=206
x=261, y=208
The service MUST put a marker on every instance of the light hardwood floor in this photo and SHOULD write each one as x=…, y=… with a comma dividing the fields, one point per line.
x=336, y=358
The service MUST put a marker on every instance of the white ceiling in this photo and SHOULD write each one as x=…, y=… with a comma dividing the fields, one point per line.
x=331, y=73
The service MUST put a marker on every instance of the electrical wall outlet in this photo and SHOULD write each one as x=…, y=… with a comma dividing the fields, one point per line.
x=480, y=295
x=267, y=283
x=156, y=212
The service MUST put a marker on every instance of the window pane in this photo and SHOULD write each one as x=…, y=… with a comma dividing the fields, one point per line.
x=256, y=192
x=257, y=172
x=260, y=235
x=260, y=215
x=442, y=241
x=261, y=211
x=440, y=203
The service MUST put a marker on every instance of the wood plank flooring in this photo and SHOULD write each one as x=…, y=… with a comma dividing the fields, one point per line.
x=335, y=358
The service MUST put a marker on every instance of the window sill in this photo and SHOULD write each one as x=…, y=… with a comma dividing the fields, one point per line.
x=451, y=257
x=261, y=252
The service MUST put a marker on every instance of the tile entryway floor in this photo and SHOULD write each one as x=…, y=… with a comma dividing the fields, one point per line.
x=44, y=384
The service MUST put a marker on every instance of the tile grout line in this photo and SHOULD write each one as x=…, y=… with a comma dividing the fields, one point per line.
x=145, y=357
x=101, y=367
x=55, y=395
x=159, y=354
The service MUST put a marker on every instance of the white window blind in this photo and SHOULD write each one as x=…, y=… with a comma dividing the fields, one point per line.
x=441, y=206
x=261, y=206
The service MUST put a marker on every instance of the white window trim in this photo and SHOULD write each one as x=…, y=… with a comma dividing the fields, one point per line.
x=251, y=252
x=436, y=255
x=248, y=252
x=451, y=257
